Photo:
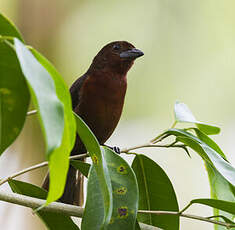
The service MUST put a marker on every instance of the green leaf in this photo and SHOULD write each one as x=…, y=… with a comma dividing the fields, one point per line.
x=53, y=221
x=221, y=173
x=7, y=28
x=125, y=196
x=50, y=109
x=93, y=215
x=219, y=204
x=203, y=137
x=209, y=154
x=184, y=115
x=156, y=193
x=221, y=189
x=223, y=167
x=83, y=167
x=100, y=166
x=125, y=192
x=137, y=226
x=14, y=93
x=59, y=160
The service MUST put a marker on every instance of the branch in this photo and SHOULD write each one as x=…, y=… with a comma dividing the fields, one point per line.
x=125, y=150
x=151, y=145
x=45, y=163
x=72, y=210
x=37, y=166
x=55, y=207
x=189, y=216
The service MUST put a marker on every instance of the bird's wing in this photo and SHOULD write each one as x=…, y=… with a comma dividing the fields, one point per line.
x=75, y=90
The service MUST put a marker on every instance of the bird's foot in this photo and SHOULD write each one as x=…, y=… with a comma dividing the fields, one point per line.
x=115, y=149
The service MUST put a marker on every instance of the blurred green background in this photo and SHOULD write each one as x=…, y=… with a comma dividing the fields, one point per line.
x=189, y=56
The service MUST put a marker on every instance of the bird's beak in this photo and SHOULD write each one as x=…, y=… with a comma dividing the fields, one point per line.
x=131, y=54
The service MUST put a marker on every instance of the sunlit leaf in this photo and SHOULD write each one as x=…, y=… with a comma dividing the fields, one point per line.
x=203, y=137
x=221, y=189
x=156, y=193
x=100, y=166
x=209, y=154
x=50, y=109
x=183, y=114
x=53, y=221
x=59, y=160
x=14, y=93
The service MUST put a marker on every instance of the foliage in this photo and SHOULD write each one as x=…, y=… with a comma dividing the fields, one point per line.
x=116, y=191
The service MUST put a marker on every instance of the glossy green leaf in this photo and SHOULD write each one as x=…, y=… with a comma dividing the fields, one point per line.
x=219, y=204
x=83, y=167
x=53, y=221
x=184, y=115
x=125, y=196
x=203, y=137
x=125, y=192
x=221, y=189
x=223, y=167
x=50, y=109
x=193, y=144
x=59, y=160
x=188, y=139
x=93, y=215
x=100, y=166
x=14, y=93
x=156, y=193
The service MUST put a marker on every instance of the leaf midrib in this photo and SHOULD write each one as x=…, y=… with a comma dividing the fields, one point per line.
x=146, y=189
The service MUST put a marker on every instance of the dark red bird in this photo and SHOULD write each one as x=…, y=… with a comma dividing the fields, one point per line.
x=98, y=98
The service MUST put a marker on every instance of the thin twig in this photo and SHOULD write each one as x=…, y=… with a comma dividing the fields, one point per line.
x=189, y=216
x=43, y=164
x=150, y=145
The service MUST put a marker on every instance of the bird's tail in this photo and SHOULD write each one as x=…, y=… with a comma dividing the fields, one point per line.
x=73, y=192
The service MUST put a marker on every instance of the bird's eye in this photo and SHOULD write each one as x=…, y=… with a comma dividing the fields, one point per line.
x=116, y=47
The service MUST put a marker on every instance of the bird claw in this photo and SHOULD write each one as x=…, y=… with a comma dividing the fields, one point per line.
x=115, y=149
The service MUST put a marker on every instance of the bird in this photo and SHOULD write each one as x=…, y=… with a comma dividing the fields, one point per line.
x=98, y=98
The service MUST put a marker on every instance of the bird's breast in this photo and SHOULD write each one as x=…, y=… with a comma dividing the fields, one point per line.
x=101, y=103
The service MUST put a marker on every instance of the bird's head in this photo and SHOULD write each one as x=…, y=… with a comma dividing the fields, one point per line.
x=117, y=57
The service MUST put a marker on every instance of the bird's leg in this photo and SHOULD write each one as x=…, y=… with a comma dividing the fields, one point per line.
x=115, y=149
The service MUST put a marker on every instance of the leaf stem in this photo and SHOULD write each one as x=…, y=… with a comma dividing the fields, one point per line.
x=185, y=208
